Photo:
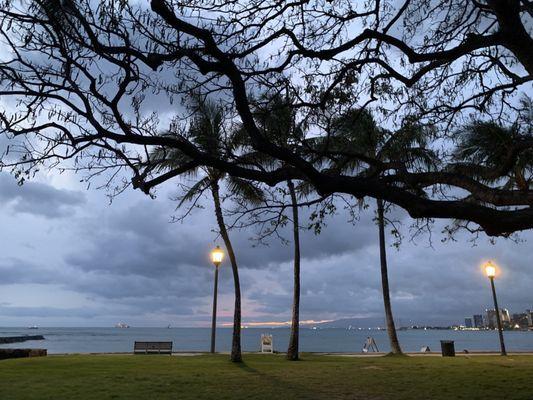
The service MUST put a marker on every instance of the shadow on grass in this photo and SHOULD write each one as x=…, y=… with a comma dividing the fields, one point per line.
x=291, y=388
x=245, y=367
x=396, y=355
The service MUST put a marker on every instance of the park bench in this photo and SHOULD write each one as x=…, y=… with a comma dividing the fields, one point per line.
x=152, y=348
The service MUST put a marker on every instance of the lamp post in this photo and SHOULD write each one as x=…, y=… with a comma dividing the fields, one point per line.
x=217, y=255
x=490, y=270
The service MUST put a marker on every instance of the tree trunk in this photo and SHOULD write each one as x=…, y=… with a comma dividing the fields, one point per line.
x=292, y=351
x=391, y=329
x=512, y=32
x=236, y=355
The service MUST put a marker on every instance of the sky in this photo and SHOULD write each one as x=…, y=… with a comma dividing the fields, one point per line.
x=69, y=257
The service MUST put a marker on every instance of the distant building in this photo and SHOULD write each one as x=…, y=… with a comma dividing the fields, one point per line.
x=492, y=322
x=468, y=323
x=519, y=321
x=478, y=321
x=504, y=315
x=529, y=318
x=491, y=318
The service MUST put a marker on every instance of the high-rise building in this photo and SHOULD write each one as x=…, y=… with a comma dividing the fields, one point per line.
x=519, y=321
x=492, y=323
x=478, y=321
x=529, y=317
x=504, y=315
x=468, y=322
x=491, y=318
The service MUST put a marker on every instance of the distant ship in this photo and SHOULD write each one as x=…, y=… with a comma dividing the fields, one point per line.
x=33, y=327
x=122, y=325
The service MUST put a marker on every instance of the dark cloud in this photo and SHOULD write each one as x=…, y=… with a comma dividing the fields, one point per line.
x=50, y=312
x=128, y=260
x=38, y=198
x=17, y=271
x=139, y=240
x=338, y=237
x=441, y=284
x=137, y=246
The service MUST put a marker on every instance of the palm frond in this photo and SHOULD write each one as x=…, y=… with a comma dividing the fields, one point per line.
x=258, y=158
x=276, y=118
x=166, y=159
x=358, y=129
x=239, y=139
x=409, y=146
x=246, y=189
x=196, y=190
x=484, y=143
x=305, y=189
x=207, y=125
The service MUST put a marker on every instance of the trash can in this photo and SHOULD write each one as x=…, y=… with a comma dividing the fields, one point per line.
x=448, y=348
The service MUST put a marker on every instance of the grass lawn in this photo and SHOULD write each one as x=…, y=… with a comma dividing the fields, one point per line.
x=265, y=377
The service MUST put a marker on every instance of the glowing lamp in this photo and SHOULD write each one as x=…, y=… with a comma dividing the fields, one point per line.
x=217, y=255
x=490, y=270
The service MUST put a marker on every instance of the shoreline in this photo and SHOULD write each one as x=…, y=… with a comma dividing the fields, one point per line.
x=341, y=354
x=20, y=339
x=330, y=341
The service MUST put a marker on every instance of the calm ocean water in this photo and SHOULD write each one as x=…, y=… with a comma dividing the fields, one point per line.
x=85, y=340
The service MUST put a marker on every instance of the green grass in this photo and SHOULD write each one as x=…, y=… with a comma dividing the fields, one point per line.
x=265, y=377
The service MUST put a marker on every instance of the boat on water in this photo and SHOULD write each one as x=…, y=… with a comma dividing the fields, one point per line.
x=33, y=327
x=122, y=325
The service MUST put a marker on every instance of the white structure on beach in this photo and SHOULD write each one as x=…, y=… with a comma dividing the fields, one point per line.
x=267, y=343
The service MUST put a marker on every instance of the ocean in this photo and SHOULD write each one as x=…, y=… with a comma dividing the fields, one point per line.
x=101, y=340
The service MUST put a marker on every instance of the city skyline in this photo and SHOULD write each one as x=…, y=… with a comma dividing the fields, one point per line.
x=518, y=320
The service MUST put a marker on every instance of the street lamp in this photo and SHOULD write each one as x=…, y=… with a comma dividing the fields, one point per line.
x=490, y=270
x=217, y=255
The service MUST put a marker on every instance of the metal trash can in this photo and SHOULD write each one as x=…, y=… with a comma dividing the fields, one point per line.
x=448, y=348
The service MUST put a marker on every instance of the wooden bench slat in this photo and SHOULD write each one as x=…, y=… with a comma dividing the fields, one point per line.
x=152, y=347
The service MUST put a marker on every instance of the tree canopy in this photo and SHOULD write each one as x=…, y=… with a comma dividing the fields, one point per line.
x=95, y=83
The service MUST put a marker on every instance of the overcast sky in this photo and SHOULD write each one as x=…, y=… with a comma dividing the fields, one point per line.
x=69, y=258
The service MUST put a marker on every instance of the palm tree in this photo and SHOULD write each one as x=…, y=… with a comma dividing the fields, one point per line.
x=277, y=120
x=206, y=131
x=389, y=319
x=488, y=147
x=357, y=129
x=293, y=349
